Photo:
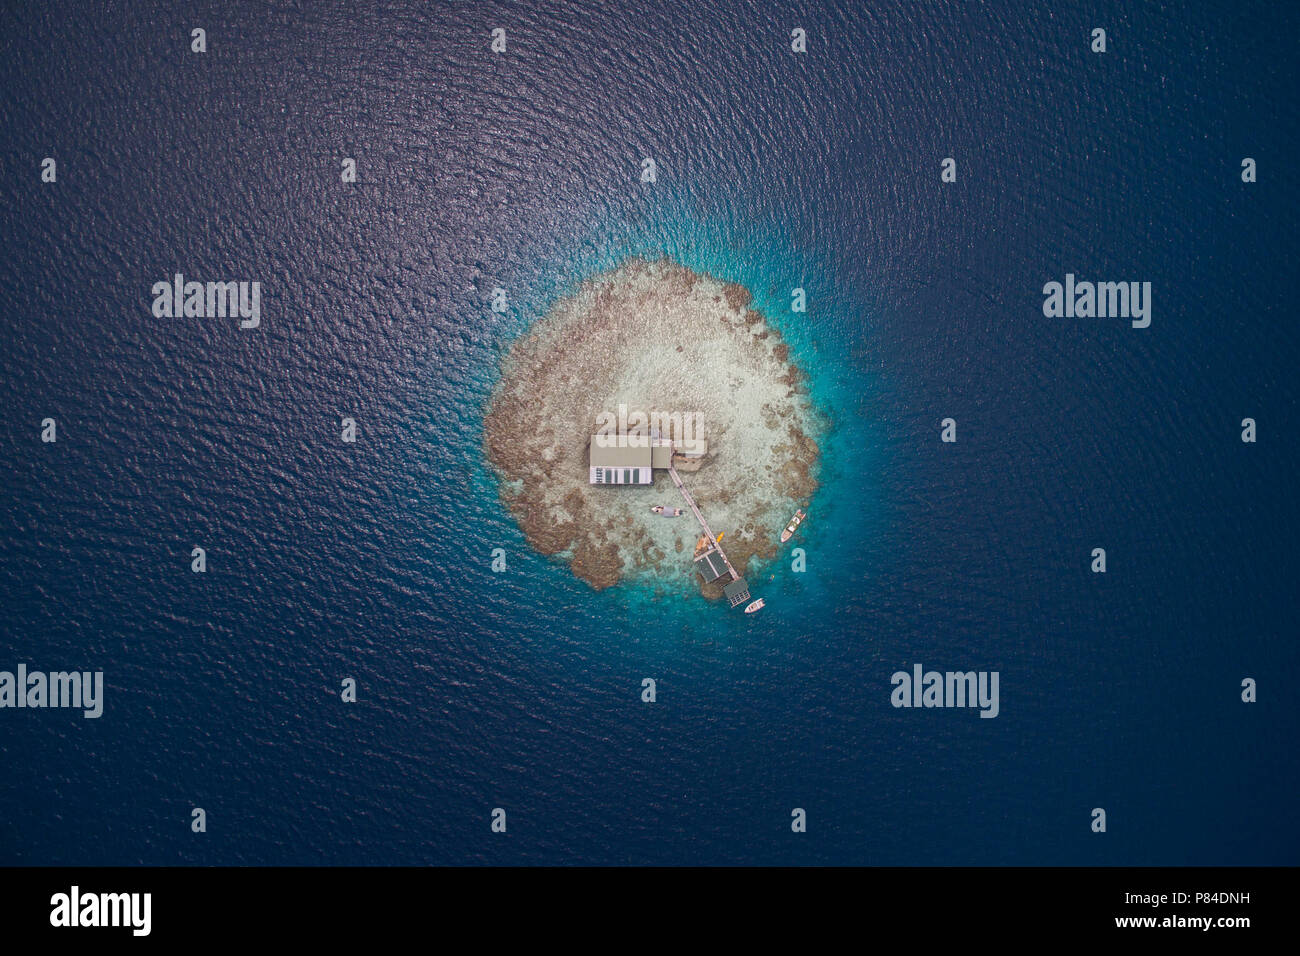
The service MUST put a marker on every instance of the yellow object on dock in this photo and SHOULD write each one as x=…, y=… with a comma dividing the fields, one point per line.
x=704, y=525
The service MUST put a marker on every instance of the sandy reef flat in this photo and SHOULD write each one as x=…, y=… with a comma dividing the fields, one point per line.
x=657, y=336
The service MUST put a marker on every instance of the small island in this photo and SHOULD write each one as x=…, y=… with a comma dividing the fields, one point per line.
x=648, y=366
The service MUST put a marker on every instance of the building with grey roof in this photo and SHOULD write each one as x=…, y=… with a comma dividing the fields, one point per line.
x=737, y=592
x=616, y=461
x=711, y=566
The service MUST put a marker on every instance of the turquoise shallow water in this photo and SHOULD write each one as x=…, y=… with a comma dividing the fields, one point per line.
x=847, y=505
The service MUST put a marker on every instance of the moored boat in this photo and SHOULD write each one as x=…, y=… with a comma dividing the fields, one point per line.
x=790, y=529
x=755, y=606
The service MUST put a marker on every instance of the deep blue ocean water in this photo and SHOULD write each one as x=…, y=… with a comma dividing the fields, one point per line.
x=522, y=690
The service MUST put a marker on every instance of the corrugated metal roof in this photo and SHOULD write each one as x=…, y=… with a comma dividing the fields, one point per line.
x=737, y=591
x=710, y=565
x=618, y=455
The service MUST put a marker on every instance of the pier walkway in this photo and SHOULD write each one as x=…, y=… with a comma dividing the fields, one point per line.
x=708, y=532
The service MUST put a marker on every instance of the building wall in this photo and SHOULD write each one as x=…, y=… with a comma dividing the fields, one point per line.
x=619, y=476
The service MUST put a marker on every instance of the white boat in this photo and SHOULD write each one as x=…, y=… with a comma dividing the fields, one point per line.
x=790, y=529
x=755, y=606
